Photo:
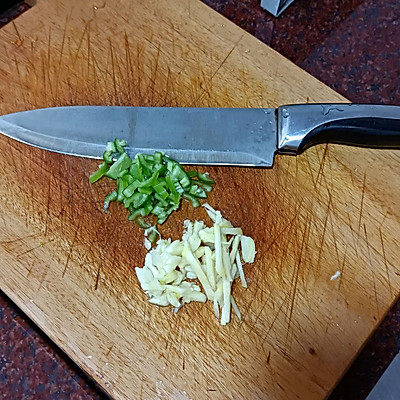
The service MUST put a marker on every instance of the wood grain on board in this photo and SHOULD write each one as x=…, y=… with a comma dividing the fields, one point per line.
x=69, y=266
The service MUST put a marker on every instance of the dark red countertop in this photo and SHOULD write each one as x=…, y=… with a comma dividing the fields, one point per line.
x=352, y=46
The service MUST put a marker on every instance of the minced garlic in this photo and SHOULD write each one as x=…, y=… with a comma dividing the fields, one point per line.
x=209, y=254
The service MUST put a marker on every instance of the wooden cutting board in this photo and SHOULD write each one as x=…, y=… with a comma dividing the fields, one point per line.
x=69, y=266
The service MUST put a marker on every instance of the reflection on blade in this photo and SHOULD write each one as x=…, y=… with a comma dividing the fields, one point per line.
x=219, y=136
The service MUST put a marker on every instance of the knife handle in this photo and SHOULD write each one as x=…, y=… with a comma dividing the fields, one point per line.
x=361, y=132
x=302, y=126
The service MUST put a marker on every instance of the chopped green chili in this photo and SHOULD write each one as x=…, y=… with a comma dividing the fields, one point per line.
x=95, y=176
x=109, y=198
x=123, y=162
x=149, y=184
x=193, y=199
x=205, y=186
x=205, y=178
x=142, y=223
x=153, y=236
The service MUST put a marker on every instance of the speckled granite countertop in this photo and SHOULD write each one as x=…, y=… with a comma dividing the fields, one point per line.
x=352, y=46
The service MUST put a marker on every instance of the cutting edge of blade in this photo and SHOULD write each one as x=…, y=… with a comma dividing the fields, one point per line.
x=57, y=145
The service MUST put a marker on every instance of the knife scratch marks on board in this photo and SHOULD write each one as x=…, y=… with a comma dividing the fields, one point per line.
x=342, y=268
x=269, y=295
x=322, y=243
x=385, y=261
x=44, y=85
x=306, y=157
x=71, y=247
x=96, y=80
x=172, y=338
x=257, y=316
x=151, y=89
x=320, y=173
x=109, y=241
x=208, y=82
x=17, y=68
x=272, y=201
x=335, y=243
x=284, y=301
x=4, y=243
x=13, y=146
x=3, y=218
x=81, y=39
x=375, y=293
x=295, y=278
x=372, y=267
x=72, y=73
x=141, y=388
x=288, y=225
x=47, y=212
x=58, y=70
x=20, y=40
x=355, y=247
x=362, y=203
x=290, y=295
x=90, y=56
x=29, y=205
x=129, y=67
x=109, y=350
x=96, y=284
x=47, y=67
x=43, y=277
x=111, y=52
x=167, y=100
x=41, y=244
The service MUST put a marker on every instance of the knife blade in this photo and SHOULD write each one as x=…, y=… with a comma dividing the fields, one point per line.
x=217, y=136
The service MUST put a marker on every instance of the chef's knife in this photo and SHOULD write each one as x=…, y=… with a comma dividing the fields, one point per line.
x=219, y=136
